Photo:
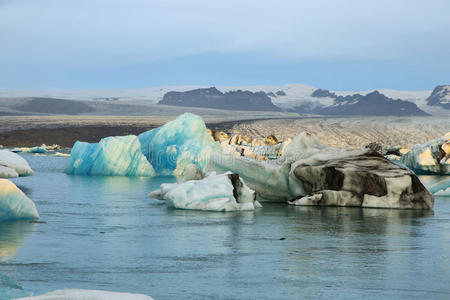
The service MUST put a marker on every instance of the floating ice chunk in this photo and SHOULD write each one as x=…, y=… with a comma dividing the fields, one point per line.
x=116, y=156
x=171, y=147
x=37, y=150
x=431, y=157
x=14, y=204
x=73, y=294
x=441, y=188
x=314, y=174
x=224, y=192
x=13, y=165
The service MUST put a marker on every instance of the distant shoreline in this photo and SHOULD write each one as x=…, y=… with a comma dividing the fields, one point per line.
x=66, y=136
x=353, y=132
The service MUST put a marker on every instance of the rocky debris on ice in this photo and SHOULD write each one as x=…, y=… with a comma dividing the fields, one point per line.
x=13, y=165
x=432, y=157
x=310, y=173
x=365, y=180
x=14, y=204
x=223, y=192
x=260, y=149
x=75, y=294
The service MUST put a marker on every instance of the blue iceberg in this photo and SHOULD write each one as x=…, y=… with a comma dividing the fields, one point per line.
x=14, y=204
x=165, y=150
x=171, y=147
x=116, y=156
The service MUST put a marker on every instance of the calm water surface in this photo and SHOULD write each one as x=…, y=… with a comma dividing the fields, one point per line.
x=105, y=233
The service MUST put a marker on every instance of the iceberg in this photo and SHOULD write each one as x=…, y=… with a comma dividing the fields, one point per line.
x=441, y=188
x=77, y=294
x=14, y=204
x=165, y=150
x=13, y=165
x=432, y=157
x=171, y=147
x=223, y=192
x=310, y=173
x=37, y=150
x=114, y=156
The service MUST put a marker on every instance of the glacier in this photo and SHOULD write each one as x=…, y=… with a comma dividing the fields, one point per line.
x=78, y=294
x=114, y=156
x=13, y=165
x=165, y=150
x=222, y=192
x=14, y=204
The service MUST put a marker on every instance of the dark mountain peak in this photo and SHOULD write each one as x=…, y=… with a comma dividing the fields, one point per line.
x=213, y=98
x=375, y=93
x=320, y=93
x=440, y=97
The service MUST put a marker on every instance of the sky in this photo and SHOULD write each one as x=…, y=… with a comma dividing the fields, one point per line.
x=333, y=44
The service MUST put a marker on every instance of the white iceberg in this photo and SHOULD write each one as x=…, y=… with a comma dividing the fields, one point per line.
x=13, y=165
x=14, y=204
x=75, y=294
x=223, y=192
x=432, y=157
x=115, y=156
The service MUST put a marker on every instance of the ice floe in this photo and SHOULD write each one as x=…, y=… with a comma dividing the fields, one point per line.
x=76, y=294
x=223, y=192
x=14, y=204
x=432, y=157
x=13, y=165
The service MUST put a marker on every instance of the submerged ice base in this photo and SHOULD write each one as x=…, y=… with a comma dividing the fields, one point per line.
x=14, y=204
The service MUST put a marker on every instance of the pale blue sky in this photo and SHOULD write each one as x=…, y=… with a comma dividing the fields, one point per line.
x=335, y=44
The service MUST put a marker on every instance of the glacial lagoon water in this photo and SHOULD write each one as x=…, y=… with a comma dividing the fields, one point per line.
x=105, y=233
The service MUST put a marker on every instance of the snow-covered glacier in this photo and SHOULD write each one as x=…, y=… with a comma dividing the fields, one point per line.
x=118, y=156
x=165, y=150
x=14, y=204
x=13, y=165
